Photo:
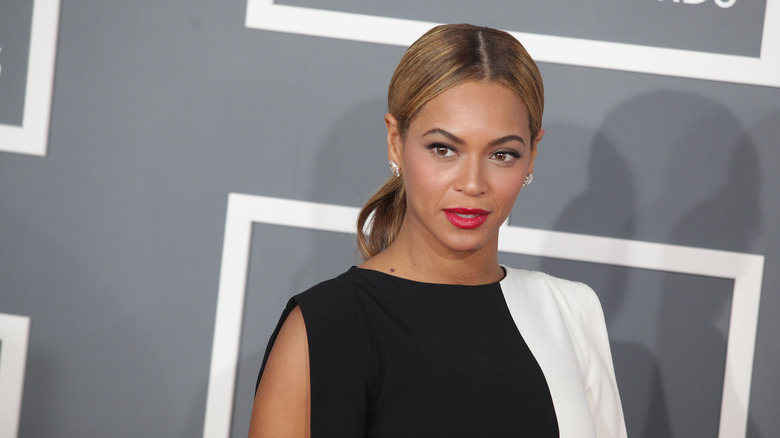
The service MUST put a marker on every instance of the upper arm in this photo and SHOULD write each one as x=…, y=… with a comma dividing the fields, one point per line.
x=282, y=405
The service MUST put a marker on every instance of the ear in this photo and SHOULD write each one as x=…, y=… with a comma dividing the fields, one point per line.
x=394, y=140
x=535, y=149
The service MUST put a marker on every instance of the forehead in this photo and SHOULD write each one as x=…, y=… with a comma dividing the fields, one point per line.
x=475, y=106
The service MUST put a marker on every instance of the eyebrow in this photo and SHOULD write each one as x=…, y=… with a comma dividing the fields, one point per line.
x=457, y=140
x=452, y=137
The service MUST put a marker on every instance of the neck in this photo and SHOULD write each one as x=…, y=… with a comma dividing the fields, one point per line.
x=417, y=258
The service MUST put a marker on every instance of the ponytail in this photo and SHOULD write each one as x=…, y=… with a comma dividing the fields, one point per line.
x=386, y=210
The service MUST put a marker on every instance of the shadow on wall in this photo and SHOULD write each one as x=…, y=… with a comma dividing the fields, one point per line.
x=611, y=187
x=351, y=164
x=679, y=168
x=692, y=350
x=766, y=386
x=348, y=166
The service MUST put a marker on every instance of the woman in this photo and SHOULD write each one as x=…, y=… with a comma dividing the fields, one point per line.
x=430, y=336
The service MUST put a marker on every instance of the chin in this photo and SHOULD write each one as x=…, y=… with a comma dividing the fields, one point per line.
x=465, y=245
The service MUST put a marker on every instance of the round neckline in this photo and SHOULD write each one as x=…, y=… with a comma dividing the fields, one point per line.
x=425, y=283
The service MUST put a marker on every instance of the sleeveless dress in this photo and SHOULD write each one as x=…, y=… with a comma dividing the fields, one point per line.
x=391, y=357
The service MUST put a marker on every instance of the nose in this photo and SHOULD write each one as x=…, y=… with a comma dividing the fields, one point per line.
x=471, y=178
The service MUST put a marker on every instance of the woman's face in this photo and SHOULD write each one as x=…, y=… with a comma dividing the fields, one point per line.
x=464, y=159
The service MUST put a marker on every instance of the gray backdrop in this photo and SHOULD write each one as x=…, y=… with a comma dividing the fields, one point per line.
x=112, y=243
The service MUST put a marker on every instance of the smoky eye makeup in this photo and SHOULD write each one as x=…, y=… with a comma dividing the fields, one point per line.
x=510, y=152
x=505, y=156
x=440, y=149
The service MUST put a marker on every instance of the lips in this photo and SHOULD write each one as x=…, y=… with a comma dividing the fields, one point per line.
x=466, y=218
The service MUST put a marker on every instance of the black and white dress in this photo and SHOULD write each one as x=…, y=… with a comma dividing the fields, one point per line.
x=391, y=357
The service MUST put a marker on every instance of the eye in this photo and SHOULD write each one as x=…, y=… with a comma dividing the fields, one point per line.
x=441, y=150
x=505, y=156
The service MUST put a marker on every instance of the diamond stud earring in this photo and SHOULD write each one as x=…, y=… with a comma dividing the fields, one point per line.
x=395, y=169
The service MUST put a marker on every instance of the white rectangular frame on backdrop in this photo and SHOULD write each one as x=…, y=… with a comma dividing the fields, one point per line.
x=33, y=136
x=764, y=70
x=14, y=338
x=245, y=210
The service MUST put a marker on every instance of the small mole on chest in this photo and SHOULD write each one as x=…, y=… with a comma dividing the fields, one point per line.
x=392, y=270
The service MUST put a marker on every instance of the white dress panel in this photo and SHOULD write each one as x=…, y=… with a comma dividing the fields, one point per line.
x=563, y=325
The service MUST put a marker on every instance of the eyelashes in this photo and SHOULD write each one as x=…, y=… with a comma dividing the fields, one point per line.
x=443, y=150
x=505, y=156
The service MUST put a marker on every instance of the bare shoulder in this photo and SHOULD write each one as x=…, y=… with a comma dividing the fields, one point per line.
x=282, y=403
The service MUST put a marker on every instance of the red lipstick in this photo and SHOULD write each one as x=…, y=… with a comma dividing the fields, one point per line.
x=466, y=218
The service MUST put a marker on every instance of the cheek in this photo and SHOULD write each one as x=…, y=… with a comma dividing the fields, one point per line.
x=507, y=187
x=423, y=176
x=424, y=182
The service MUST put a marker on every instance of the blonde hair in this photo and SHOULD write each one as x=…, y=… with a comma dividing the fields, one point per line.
x=444, y=57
